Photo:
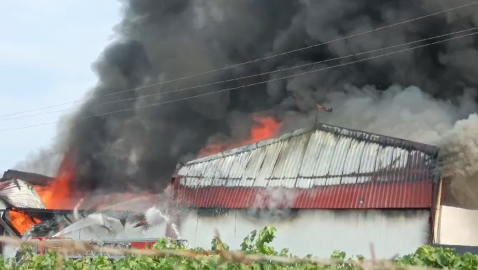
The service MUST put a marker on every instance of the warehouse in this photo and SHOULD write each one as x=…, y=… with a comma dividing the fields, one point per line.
x=324, y=188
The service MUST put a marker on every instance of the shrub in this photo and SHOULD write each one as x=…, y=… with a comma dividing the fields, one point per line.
x=256, y=243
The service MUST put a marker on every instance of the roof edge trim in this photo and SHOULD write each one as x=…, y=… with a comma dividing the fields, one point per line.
x=346, y=132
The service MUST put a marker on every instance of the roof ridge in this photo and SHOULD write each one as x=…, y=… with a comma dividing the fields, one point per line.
x=342, y=131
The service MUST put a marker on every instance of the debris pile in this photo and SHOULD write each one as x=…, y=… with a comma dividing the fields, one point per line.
x=24, y=214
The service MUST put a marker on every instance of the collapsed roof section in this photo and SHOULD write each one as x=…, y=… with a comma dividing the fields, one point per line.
x=17, y=189
x=31, y=178
x=19, y=194
x=324, y=167
x=100, y=214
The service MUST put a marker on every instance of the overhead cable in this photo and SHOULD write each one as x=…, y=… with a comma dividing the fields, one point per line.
x=249, y=76
x=247, y=85
x=253, y=61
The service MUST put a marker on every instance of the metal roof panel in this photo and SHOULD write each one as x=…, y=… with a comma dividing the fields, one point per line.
x=18, y=193
x=322, y=158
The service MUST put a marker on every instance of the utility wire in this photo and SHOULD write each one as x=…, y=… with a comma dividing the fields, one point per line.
x=249, y=76
x=256, y=60
x=248, y=85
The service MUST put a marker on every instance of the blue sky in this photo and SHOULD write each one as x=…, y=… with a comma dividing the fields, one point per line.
x=46, y=52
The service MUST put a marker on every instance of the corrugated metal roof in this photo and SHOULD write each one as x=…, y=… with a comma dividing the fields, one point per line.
x=31, y=178
x=337, y=161
x=18, y=193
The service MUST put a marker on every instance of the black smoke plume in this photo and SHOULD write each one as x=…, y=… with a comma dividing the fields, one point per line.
x=418, y=94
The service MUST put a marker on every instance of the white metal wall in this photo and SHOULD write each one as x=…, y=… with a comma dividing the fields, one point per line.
x=320, y=232
x=8, y=251
x=458, y=226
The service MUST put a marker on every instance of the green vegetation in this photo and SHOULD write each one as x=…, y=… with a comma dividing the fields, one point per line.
x=255, y=246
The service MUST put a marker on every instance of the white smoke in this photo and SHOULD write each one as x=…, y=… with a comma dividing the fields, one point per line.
x=273, y=204
x=155, y=217
x=414, y=115
x=411, y=114
x=43, y=162
x=459, y=149
x=406, y=113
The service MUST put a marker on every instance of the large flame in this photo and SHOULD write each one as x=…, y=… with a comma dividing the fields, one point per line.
x=264, y=128
x=22, y=222
x=56, y=195
x=59, y=193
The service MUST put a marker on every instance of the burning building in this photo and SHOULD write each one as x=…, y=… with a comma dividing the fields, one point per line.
x=33, y=206
x=324, y=188
x=333, y=175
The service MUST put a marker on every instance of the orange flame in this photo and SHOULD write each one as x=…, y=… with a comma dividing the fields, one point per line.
x=22, y=222
x=264, y=128
x=58, y=194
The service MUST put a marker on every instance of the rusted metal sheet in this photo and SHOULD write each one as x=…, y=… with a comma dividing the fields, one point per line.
x=338, y=165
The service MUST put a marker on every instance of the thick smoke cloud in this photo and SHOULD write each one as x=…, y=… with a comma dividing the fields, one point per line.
x=418, y=94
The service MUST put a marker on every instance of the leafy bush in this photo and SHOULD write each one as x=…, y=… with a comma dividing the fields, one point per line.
x=256, y=243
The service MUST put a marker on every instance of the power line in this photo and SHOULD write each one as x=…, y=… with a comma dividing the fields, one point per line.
x=248, y=85
x=251, y=76
x=253, y=61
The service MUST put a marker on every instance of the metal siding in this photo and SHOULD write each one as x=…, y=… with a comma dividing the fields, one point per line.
x=309, y=161
x=335, y=167
x=413, y=195
x=269, y=165
x=457, y=226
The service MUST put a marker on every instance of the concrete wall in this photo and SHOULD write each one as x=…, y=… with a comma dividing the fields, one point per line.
x=318, y=232
x=458, y=226
x=8, y=251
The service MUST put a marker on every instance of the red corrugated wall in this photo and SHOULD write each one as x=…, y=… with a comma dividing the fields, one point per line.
x=413, y=194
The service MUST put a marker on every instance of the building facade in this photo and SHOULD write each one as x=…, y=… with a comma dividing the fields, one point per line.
x=325, y=189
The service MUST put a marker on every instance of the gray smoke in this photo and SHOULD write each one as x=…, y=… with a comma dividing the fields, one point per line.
x=417, y=95
x=43, y=161
x=46, y=161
